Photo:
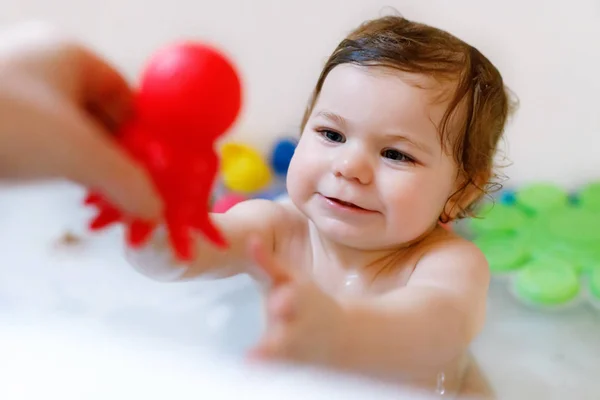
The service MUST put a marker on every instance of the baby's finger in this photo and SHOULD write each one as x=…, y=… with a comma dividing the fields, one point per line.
x=266, y=262
x=282, y=304
x=271, y=345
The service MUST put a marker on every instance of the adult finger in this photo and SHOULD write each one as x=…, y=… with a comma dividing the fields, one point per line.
x=103, y=89
x=74, y=69
x=55, y=139
x=96, y=161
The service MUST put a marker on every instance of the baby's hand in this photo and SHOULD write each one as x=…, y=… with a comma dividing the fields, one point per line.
x=304, y=324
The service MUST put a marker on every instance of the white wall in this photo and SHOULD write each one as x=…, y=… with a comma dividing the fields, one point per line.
x=550, y=57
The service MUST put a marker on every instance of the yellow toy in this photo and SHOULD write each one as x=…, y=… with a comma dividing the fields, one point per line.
x=243, y=169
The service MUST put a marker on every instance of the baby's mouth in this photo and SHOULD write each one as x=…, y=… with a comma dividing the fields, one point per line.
x=345, y=203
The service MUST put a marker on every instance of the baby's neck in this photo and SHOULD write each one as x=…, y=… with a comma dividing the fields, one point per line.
x=341, y=268
x=344, y=257
x=348, y=269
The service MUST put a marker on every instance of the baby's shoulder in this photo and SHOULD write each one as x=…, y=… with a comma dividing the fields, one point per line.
x=447, y=258
x=444, y=245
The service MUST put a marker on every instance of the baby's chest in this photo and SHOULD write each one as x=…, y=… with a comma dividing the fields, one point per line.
x=368, y=282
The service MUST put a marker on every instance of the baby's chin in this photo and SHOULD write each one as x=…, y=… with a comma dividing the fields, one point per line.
x=371, y=234
x=370, y=238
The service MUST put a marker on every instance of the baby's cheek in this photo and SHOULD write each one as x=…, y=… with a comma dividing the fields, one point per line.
x=411, y=201
x=296, y=184
x=303, y=169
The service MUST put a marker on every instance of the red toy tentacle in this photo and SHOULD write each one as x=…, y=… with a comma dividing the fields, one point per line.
x=203, y=223
x=93, y=198
x=181, y=240
x=107, y=216
x=138, y=232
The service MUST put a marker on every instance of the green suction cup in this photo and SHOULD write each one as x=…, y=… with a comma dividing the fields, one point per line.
x=497, y=218
x=540, y=198
x=589, y=197
x=581, y=258
x=504, y=253
x=594, y=284
x=575, y=226
x=547, y=283
x=534, y=233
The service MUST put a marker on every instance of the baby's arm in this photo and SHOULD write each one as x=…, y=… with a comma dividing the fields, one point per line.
x=256, y=218
x=426, y=324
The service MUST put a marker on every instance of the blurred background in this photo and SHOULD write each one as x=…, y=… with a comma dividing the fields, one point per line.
x=547, y=52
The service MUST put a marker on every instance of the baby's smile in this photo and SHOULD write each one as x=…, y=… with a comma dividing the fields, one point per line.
x=344, y=206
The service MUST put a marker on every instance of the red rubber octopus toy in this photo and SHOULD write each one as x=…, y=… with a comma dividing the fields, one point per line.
x=189, y=96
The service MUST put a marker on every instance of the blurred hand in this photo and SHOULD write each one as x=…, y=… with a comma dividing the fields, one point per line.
x=59, y=105
x=304, y=324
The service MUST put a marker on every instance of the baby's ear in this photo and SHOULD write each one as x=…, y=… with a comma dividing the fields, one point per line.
x=467, y=192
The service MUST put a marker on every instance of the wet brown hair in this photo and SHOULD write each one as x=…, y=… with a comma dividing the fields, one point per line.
x=480, y=102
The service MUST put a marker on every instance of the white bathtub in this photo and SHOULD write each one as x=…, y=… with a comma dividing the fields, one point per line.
x=77, y=322
x=80, y=322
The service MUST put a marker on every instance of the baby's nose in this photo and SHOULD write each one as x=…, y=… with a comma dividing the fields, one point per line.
x=355, y=165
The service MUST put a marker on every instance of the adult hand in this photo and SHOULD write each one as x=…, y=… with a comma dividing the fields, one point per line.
x=59, y=105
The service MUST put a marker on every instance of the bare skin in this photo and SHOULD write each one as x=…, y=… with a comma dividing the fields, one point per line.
x=377, y=286
x=430, y=298
x=59, y=104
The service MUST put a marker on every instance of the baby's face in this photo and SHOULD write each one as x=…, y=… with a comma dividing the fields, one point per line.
x=372, y=140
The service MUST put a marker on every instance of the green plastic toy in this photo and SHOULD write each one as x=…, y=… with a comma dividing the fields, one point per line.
x=580, y=257
x=541, y=198
x=575, y=226
x=534, y=233
x=589, y=197
x=497, y=218
x=547, y=283
x=504, y=253
x=594, y=285
x=547, y=243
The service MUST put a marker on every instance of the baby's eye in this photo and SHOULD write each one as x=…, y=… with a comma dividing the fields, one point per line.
x=396, y=155
x=332, y=136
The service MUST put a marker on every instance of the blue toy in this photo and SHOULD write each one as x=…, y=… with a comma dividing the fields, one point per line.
x=508, y=197
x=282, y=155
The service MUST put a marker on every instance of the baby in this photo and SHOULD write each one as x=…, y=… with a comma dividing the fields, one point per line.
x=398, y=139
